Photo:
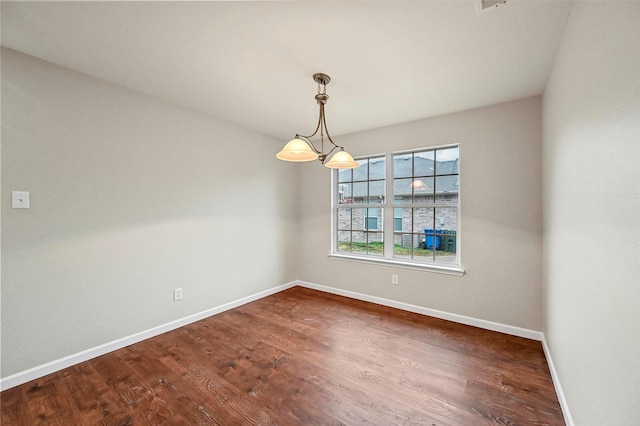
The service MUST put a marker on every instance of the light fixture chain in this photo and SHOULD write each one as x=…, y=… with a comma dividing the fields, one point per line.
x=322, y=88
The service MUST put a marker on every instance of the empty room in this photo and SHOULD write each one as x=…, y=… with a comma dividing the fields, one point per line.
x=320, y=213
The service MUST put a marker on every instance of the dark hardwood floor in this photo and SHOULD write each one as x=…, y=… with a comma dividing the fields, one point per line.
x=302, y=357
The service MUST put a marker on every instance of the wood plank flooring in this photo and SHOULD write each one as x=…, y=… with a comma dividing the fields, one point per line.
x=302, y=357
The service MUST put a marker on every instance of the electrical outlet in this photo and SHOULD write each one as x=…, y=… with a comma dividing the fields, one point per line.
x=394, y=279
x=177, y=294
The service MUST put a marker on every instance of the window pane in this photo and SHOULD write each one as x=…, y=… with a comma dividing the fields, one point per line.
x=448, y=248
x=344, y=175
x=402, y=244
x=423, y=163
x=447, y=218
x=372, y=220
x=359, y=242
x=358, y=219
x=360, y=192
x=402, y=166
x=422, y=189
x=344, y=219
x=376, y=191
x=422, y=252
x=397, y=239
x=377, y=168
x=374, y=245
x=402, y=189
x=397, y=219
x=447, y=189
x=447, y=161
x=406, y=225
x=344, y=241
x=433, y=238
x=422, y=219
x=345, y=193
x=362, y=172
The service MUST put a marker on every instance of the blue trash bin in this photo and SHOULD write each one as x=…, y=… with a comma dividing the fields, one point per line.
x=432, y=238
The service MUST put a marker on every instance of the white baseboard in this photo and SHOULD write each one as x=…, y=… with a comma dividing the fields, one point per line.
x=556, y=383
x=487, y=325
x=68, y=361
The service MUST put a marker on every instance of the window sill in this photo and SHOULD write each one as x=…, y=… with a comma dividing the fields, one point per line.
x=431, y=267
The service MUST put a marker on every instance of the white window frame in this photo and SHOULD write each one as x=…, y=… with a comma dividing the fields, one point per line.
x=388, y=205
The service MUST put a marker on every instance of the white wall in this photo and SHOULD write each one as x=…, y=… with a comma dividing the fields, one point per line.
x=592, y=213
x=501, y=217
x=130, y=198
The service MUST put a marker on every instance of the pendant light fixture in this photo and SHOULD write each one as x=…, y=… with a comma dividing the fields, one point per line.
x=300, y=148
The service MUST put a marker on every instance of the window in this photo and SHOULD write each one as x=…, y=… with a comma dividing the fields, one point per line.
x=423, y=221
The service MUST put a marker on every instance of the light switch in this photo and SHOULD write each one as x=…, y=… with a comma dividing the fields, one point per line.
x=19, y=199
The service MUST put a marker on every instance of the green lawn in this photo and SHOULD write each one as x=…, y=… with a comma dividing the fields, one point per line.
x=398, y=249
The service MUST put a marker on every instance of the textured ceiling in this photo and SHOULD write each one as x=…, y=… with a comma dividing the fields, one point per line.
x=251, y=63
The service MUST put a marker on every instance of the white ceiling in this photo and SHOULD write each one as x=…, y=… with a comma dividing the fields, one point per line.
x=251, y=63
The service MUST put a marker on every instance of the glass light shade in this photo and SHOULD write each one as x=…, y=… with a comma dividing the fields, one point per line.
x=297, y=150
x=342, y=160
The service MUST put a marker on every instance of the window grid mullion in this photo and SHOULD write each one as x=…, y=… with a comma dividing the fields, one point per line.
x=413, y=197
x=388, y=230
